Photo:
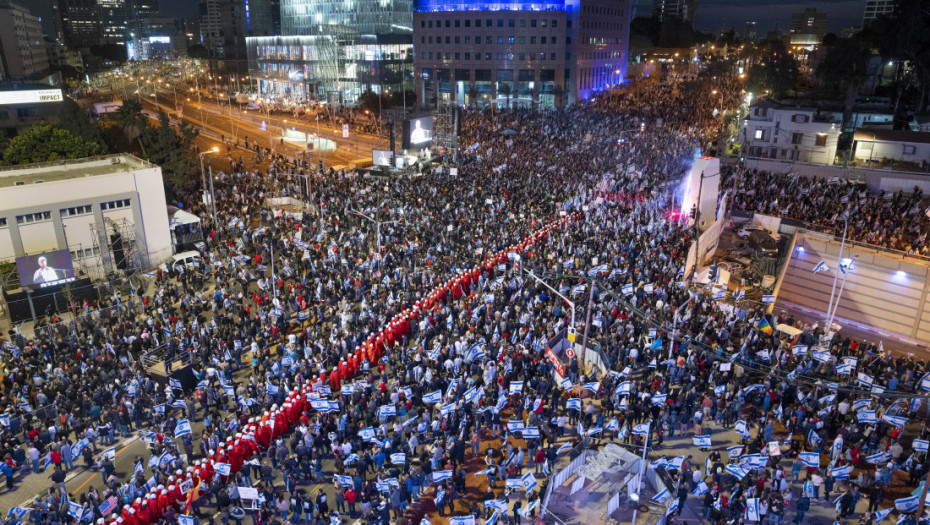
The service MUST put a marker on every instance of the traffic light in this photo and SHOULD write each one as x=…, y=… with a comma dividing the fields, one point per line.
x=392, y=139
x=694, y=211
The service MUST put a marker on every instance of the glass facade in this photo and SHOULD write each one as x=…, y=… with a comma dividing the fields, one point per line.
x=328, y=68
x=367, y=17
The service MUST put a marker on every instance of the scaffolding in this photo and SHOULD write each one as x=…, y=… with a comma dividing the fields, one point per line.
x=117, y=245
x=445, y=129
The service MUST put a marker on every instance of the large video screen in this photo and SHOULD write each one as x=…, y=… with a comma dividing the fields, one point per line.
x=418, y=132
x=381, y=157
x=45, y=269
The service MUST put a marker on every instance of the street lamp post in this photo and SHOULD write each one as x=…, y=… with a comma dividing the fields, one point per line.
x=203, y=177
x=566, y=299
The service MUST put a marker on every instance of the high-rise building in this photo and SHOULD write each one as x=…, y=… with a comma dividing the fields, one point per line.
x=23, y=53
x=809, y=22
x=78, y=22
x=114, y=19
x=875, y=9
x=541, y=55
x=336, y=49
x=224, y=26
x=680, y=9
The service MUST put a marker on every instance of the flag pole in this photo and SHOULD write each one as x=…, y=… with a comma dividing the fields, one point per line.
x=836, y=274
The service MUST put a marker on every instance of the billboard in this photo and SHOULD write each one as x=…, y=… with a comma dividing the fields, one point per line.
x=381, y=157
x=31, y=96
x=418, y=132
x=45, y=269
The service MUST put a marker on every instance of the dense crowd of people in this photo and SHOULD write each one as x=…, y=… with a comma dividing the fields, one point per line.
x=394, y=330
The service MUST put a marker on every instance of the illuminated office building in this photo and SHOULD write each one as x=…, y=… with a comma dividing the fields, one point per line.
x=335, y=50
x=524, y=53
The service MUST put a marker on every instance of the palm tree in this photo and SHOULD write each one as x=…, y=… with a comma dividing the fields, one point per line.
x=132, y=120
x=473, y=95
x=506, y=90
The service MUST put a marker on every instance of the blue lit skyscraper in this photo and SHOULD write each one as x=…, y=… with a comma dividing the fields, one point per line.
x=526, y=53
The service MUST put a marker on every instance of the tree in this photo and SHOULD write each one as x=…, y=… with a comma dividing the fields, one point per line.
x=198, y=52
x=777, y=72
x=473, y=96
x=73, y=119
x=843, y=69
x=903, y=37
x=113, y=136
x=172, y=149
x=506, y=90
x=132, y=120
x=45, y=142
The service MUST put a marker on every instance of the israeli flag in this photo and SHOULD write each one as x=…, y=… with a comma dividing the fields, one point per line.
x=661, y=497
x=473, y=395
x=529, y=482
x=516, y=387
x=867, y=416
x=351, y=459
x=659, y=399
x=515, y=426
x=735, y=451
x=109, y=453
x=861, y=404
x=445, y=409
x=810, y=459
x=387, y=411
x=183, y=427
x=18, y=512
x=623, y=388
x=701, y=489
x=752, y=509
x=675, y=463
x=345, y=481
x=564, y=448
x=844, y=370
x=881, y=515
x=75, y=509
x=701, y=441
x=222, y=468
x=741, y=429
x=399, y=459
x=920, y=445
x=879, y=458
x=841, y=472
x=736, y=471
x=593, y=387
x=530, y=507
x=627, y=289
x=642, y=429
x=462, y=520
x=907, y=505
x=531, y=433
x=821, y=267
x=175, y=383
x=897, y=421
x=441, y=475
x=865, y=379
x=475, y=352
x=566, y=384
x=719, y=390
x=367, y=434
x=672, y=507
x=433, y=397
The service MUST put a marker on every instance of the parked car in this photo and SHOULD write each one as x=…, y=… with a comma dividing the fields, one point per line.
x=763, y=243
x=190, y=260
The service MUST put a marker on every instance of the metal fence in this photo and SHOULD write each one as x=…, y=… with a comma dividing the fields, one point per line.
x=42, y=414
x=559, y=478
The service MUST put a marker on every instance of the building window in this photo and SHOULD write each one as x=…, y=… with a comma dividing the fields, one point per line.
x=85, y=253
x=77, y=210
x=800, y=118
x=522, y=40
x=511, y=23
x=34, y=217
x=467, y=56
x=468, y=40
x=447, y=23
x=458, y=23
x=542, y=56
x=552, y=40
x=431, y=24
x=456, y=55
x=500, y=40
x=422, y=39
x=509, y=56
x=555, y=23
x=796, y=138
x=500, y=22
x=500, y=56
x=2, y=222
x=533, y=23
x=422, y=23
x=543, y=22
x=522, y=56
x=760, y=134
x=522, y=22
x=468, y=23
x=532, y=40
x=821, y=139
x=487, y=56
x=447, y=55
x=430, y=40
x=457, y=39
x=542, y=40
x=487, y=40
x=487, y=23
x=909, y=149
x=551, y=56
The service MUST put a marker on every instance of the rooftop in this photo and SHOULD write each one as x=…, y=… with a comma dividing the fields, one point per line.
x=57, y=171
x=892, y=135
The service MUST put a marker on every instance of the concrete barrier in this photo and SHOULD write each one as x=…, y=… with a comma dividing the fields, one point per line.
x=875, y=179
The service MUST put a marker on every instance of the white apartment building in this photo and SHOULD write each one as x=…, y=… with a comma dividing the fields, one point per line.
x=782, y=132
x=109, y=211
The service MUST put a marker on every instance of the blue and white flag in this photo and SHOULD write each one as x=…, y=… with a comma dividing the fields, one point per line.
x=821, y=267
x=627, y=289
x=367, y=434
x=867, y=416
x=345, y=481
x=865, y=379
x=659, y=399
x=516, y=387
x=530, y=507
x=897, y=421
x=433, y=397
x=446, y=409
x=75, y=510
x=564, y=448
x=920, y=445
x=701, y=441
x=752, y=509
x=881, y=515
x=879, y=459
x=462, y=520
x=186, y=520
x=908, y=504
x=701, y=489
x=387, y=411
x=399, y=459
x=18, y=512
x=531, y=433
x=183, y=427
x=566, y=384
x=810, y=459
x=661, y=497
x=841, y=472
x=352, y=458
x=222, y=468
x=735, y=451
x=593, y=387
x=529, y=482
x=175, y=383
x=623, y=388
x=573, y=404
x=736, y=470
x=109, y=453
x=741, y=429
x=861, y=404
x=844, y=370
x=515, y=425
x=441, y=475
x=719, y=390
x=641, y=429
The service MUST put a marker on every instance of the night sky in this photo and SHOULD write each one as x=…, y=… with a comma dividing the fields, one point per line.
x=712, y=15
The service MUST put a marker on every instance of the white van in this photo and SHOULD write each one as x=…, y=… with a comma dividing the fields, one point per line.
x=190, y=260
